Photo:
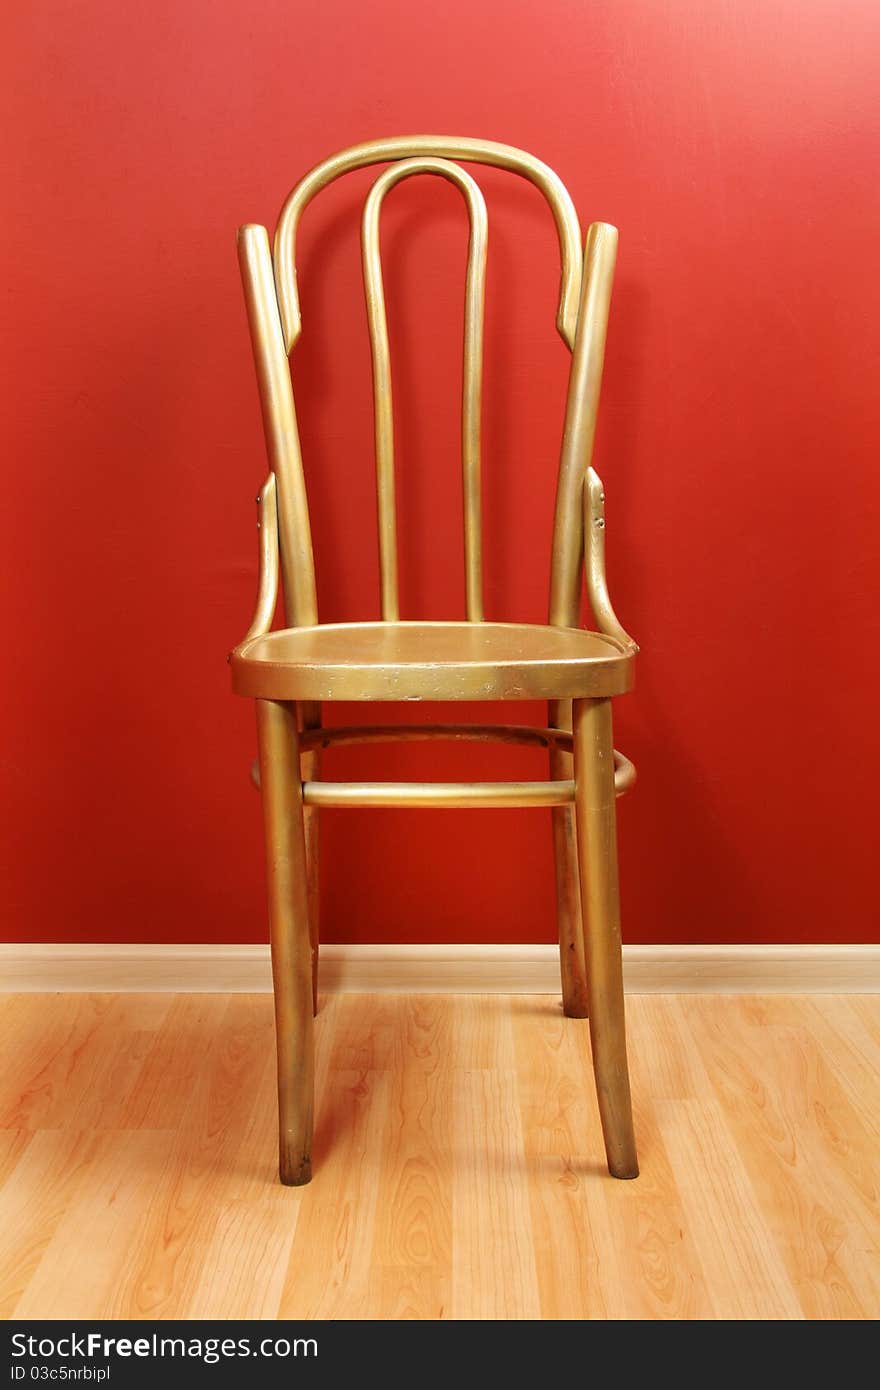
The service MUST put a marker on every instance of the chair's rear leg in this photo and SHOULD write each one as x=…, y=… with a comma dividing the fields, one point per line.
x=311, y=772
x=286, y=874
x=600, y=901
x=568, y=905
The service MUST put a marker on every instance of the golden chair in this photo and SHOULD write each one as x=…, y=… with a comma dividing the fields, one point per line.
x=290, y=672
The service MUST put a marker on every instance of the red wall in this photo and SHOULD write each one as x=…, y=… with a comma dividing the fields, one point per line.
x=736, y=148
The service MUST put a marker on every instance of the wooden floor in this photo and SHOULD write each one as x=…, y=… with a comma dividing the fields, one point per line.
x=457, y=1157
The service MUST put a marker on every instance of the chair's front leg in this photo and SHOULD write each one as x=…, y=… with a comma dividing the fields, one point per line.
x=600, y=902
x=568, y=906
x=286, y=874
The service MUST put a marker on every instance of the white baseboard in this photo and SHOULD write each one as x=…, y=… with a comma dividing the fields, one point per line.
x=435, y=969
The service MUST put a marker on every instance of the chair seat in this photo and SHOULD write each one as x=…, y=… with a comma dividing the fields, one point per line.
x=431, y=661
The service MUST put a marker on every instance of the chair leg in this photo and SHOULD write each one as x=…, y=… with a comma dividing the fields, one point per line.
x=568, y=905
x=600, y=903
x=286, y=875
x=311, y=772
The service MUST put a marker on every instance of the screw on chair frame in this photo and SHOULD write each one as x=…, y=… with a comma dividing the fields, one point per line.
x=291, y=672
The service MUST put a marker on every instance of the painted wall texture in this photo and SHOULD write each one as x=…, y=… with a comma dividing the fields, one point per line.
x=736, y=149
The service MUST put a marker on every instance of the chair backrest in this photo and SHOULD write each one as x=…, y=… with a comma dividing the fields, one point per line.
x=274, y=316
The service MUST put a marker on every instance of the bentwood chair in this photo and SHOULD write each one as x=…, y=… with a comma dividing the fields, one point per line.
x=292, y=671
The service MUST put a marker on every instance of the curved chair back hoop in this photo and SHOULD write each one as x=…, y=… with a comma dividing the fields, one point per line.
x=442, y=147
x=274, y=315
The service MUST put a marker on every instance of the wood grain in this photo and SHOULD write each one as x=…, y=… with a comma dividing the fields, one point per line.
x=461, y=1171
x=758, y=1069
x=413, y=1238
x=72, y=1278
x=493, y=1260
